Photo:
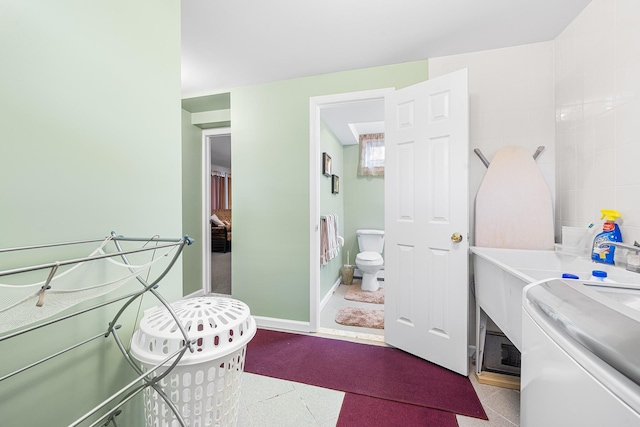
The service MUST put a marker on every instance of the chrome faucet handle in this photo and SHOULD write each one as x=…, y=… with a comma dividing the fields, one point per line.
x=620, y=245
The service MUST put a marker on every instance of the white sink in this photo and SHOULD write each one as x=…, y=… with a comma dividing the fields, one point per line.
x=501, y=275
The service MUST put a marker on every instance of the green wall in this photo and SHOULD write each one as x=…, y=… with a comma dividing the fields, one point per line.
x=270, y=155
x=192, y=191
x=331, y=203
x=363, y=203
x=90, y=136
x=360, y=203
x=192, y=181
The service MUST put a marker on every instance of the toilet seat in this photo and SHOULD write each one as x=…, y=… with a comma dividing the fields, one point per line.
x=369, y=258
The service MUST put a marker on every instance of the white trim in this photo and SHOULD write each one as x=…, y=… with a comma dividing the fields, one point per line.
x=198, y=293
x=206, y=203
x=316, y=104
x=314, y=213
x=282, y=324
x=329, y=294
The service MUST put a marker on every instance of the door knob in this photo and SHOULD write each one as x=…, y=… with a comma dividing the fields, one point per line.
x=456, y=237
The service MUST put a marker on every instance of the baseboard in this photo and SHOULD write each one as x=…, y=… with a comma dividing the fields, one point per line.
x=282, y=324
x=199, y=293
x=272, y=322
x=498, y=380
x=329, y=294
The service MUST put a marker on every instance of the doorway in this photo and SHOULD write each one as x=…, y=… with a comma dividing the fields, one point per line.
x=426, y=220
x=346, y=116
x=217, y=208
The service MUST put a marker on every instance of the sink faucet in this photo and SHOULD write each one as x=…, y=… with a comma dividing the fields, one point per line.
x=633, y=263
x=606, y=244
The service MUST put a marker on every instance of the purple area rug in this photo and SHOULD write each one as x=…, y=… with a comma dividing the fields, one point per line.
x=367, y=370
x=359, y=410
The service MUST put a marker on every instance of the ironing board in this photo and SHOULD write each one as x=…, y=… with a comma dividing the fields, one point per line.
x=513, y=204
x=513, y=210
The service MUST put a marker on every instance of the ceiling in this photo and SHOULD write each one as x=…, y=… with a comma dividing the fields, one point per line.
x=226, y=43
x=349, y=120
x=221, y=151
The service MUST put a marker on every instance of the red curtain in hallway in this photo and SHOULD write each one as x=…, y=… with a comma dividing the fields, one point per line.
x=217, y=192
x=229, y=188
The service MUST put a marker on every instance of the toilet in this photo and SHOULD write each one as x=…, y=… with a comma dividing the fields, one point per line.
x=369, y=261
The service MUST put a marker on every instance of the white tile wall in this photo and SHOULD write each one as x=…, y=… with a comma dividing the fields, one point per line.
x=579, y=96
x=511, y=95
x=597, y=97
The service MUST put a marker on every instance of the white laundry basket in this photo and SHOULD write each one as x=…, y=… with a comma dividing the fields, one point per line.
x=204, y=386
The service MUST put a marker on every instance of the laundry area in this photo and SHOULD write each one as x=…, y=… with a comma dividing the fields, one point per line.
x=435, y=218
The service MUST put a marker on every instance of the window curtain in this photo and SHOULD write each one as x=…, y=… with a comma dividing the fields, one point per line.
x=217, y=191
x=220, y=190
x=371, y=161
x=229, y=189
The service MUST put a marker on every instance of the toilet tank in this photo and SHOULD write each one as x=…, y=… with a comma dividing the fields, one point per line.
x=370, y=240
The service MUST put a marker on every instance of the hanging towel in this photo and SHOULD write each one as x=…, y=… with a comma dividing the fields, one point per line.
x=329, y=245
x=333, y=236
x=324, y=241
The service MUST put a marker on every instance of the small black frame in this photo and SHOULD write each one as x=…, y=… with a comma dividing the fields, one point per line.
x=326, y=164
x=335, y=184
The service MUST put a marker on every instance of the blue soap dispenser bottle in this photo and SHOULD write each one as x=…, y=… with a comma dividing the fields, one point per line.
x=610, y=233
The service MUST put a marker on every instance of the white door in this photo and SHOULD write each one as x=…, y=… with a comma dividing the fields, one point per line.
x=426, y=204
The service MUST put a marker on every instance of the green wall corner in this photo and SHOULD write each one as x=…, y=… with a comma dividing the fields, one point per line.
x=192, y=195
x=90, y=124
x=331, y=203
x=270, y=155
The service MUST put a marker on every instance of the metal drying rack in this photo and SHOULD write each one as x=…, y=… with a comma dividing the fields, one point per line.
x=110, y=408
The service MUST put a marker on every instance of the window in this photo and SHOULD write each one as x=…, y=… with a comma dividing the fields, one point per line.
x=371, y=155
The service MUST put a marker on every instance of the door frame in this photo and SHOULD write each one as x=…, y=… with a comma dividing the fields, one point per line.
x=207, y=135
x=316, y=104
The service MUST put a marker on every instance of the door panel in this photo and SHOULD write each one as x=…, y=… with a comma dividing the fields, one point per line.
x=426, y=202
x=407, y=266
x=406, y=156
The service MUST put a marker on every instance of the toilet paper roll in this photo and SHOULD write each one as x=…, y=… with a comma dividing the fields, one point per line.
x=341, y=241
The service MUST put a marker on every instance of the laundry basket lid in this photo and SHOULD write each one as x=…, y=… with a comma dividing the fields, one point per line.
x=218, y=325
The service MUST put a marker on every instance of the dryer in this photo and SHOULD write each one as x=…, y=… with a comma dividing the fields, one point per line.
x=581, y=355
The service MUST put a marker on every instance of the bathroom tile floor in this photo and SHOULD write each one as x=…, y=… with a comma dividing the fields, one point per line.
x=266, y=402
x=328, y=315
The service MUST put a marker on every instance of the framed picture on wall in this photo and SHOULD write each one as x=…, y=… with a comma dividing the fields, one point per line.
x=326, y=164
x=335, y=184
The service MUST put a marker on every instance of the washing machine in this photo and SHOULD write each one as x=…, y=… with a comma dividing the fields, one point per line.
x=581, y=355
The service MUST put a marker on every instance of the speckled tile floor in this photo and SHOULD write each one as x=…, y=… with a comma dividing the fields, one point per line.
x=270, y=402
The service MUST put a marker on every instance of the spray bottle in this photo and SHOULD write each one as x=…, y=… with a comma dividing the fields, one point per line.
x=610, y=233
